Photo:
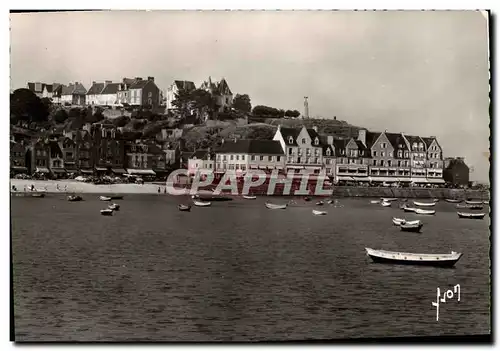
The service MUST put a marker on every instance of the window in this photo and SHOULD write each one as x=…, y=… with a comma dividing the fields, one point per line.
x=290, y=151
x=303, y=140
x=308, y=151
x=262, y=158
x=389, y=154
x=253, y=157
x=290, y=140
x=399, y=163
x=389, y=163
x=382, y=154
x=299, y=160
x=316, y=152
x=384, y=145
x=278, y=158
x=316, y=141
x=243, y=157
x=237, y=157
x=316, y=160
x=150, y=94
x=374, y=162
x=327, y=161
x=218, y=157
x=406, y=154
x=231, y=157
x=328, y=152
x=374, y=153
x=271, y=158
x=224, y=158
x=361, y=153
x=400, y=154
x=381, y=162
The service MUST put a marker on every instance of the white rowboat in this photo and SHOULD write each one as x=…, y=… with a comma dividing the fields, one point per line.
x=275, y=207
x=375, y=202
x=453, y=201
x=473, y=202
x=202, y=203
x=388, y=199
x=114, y=207
x=319, y=213
x=399, y=221
x=424, y=204
x=409, y=209
x=104, y=198
x=249, y=197
x=386, y=204
x=424, y=212
x=471, y=215
x=442, y=260
x=107, y=212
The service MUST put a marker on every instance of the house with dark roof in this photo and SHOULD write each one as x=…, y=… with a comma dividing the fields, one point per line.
x=73, y=94
x=144, y=92
x=434, y=162
x=123, y=94
x=36, y=87
x=302, y=147
x=144, y=158
x=352, y=158
x=103, y=94
x=456, y=171
x=174, y=89
x=56, y=159
x=94, y=92
x=202, y=160
x=418, y=157
x=17, y=157
x=68, y=148
x=39, y=162
x=220, y=92
x=244, y=154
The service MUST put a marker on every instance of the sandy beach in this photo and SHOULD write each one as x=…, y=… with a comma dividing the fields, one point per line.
x=73, y=186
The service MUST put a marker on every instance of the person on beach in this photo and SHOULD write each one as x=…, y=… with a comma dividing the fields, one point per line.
x=159, y=190
x=32, y=187
x=165, y=190
x=57, y=187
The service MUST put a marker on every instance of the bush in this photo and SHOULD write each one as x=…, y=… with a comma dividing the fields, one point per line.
x=121, y=121
x=61, y=116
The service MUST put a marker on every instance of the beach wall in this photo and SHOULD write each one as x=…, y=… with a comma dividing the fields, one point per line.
x=415, y=193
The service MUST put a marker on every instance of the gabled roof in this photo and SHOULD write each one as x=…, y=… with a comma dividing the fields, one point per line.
x=48, y=87
x=286, y=133
x=223, y=87
x=246, y=146
x=140, y=84
x=371, y=138
x=313, y=134
x=154, y=149
x=185, y=85
x=327, y=147
x=340, y=144
x=413, y=139
x=200, y=154
x=32, y=85
x=428, y=141
x=111, y=88
x=397, y=139
x=95, y=89
x=54, y=148
x=72, y=89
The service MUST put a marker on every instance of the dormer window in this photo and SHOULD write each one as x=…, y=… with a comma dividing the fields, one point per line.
x=328, y=152
x=316, y=141
x=361, y=153
x=414, y=146
x=290, y=140
x=303, y=140
x=400, y=153
x=384, y=145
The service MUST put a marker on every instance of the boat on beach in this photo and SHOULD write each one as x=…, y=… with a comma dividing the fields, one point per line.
x=320, y=203
x=249, y=197
x=386, y=204
x=486, y=202
x=114, y=207
x=435, y=199
x=184, y=208
x=398, y=221
x=116, y=197
x=453, y=201
x=395, y=257
x=471, y=202
x=424, y=204
x=411, y=227
x=202, y=203
x=307, y=198
x=319, y=213
x=409, y=209
x=375, y=202
x=470, y=207
x=388, y=199
x=107, y=212
x=38, y=195
x=425, y=212
x=275, y=207
x=73, y=198
x=471, y=215
x=104, y=198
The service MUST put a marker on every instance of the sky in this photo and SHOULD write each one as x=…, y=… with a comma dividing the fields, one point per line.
x=418, y=72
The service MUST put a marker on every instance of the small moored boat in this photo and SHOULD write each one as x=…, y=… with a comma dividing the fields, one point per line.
x=375, y=202
x=329, y=202
x=486, y=202
x=107, y=212
x=249, y=197
x=424, y=204
x=185, y=208
x=398, y=221
x=319, y=213
x=453, y=201
x=275, y=207
x=38, y=195
x=471, y=215
x=435, y=199
x=114, y=207
x=471, y=202
x=74, y=198
x=388, y=199
x=320, y=203
x=202, y=203
x=409, y=209
x=411, y=227
x=104, y=198
x=116, y=197
x=425, y=212
x=386, y=204
x=307, y=198
x=441, y=260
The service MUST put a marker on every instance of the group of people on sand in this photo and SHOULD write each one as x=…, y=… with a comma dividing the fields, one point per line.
x=164, y=190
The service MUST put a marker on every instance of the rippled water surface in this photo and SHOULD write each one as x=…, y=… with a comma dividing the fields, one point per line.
x=237, y=271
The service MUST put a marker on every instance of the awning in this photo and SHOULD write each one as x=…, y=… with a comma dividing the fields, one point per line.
x=402, y=179
x=118, y=170
x=58, y=170
x=384, y=179
x=346, y=178
x=87, y=171
x=141, y=171
x=436, y=181
x=42, y=170
x=419, y=180
x=101, y=169
x=18, y=168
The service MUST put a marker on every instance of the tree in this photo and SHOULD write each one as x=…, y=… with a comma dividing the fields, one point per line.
x=261, y=133
x=203, y=102
x=182, y=102
x=242, y=103
x=267, y=111
x=60, y=116
x=121, y=121
x=97, y=116
x=25, y=105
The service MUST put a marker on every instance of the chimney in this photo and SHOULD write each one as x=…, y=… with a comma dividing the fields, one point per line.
x=222, y=141
x=138, y=78
x=362, y=136
x=330, y=139
x=93, y=82
x=334, y=118
x=151, y=79
x=106, y=82
x=235, y=139
x=315, y=128
x=76, y=83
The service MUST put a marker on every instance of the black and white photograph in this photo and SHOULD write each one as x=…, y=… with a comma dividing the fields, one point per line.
x=250, y=176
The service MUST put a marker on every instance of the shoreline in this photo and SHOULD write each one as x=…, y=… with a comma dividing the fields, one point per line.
x=68, y=187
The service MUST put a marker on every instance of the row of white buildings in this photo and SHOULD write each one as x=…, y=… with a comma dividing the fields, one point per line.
x=371, y=157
